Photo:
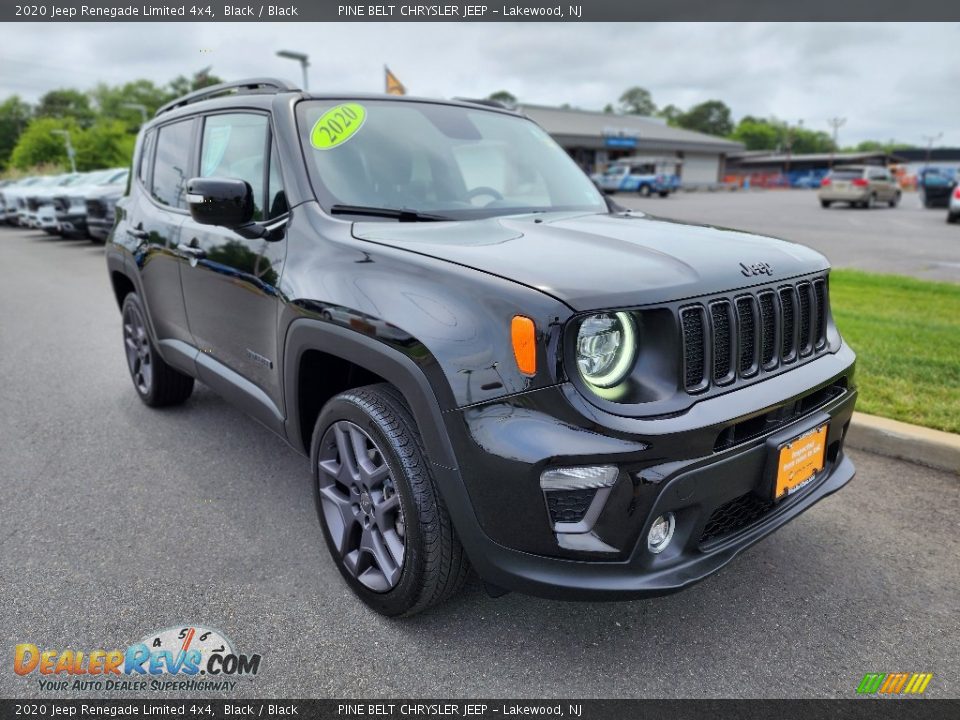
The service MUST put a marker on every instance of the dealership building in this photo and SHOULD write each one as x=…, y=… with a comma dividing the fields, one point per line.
x=594, y=139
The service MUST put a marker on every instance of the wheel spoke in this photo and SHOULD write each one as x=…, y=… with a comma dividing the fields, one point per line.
x=348, y=461
x=385, y=509
x=395, y=546
x=372, y=542
x=338, y=511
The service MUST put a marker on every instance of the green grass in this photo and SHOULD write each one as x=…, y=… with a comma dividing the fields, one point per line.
x=906, y=333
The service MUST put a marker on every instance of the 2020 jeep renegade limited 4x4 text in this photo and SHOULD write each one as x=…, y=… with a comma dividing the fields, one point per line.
x=487, y=363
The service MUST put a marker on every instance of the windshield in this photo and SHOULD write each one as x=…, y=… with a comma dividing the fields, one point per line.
x=448, y=161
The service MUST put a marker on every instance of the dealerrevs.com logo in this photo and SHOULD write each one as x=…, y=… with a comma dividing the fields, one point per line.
x=184, y=657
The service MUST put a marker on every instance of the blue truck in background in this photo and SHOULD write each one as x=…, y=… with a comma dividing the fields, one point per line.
x=644, y=175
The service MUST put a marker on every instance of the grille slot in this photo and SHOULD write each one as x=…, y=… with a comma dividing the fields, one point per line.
x=788, y=325
x=768, y=330
x=820, y=314
x=721, y=323
x=756, y=331
x=694, y=356
x=804, y=291
x=747, y=335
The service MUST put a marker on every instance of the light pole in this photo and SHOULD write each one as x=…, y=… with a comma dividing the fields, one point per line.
x=931, y=139
x=301, y=58
x=70, y=153
x=141, y=108
x=835, y=123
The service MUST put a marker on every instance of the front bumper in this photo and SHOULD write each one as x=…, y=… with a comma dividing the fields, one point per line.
x=719, y=495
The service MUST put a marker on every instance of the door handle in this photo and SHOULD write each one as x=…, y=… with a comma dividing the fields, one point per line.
x=192, y=250
x=138, y=234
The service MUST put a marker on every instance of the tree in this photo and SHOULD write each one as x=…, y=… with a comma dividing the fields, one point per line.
x=802, y=141
x=38, y=145
x=112, y=101
x=671, y=113
x=181, y=85
x=14, y=116
x=66, y=104
x=608, y=109
x=711, y=117
x=756, y=134
x=504, y=96
x=637, y=101
x=106, y=144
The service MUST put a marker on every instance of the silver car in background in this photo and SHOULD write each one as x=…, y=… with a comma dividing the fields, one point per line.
x=860, y=186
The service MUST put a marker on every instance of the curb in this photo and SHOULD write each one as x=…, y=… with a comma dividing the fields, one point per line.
x=933, y=448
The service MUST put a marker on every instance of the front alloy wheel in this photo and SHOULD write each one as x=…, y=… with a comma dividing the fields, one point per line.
x=361, y=506
x=384, y=522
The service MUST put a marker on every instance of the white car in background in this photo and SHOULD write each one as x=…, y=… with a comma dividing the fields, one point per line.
x=31, y=203
x=12, y=195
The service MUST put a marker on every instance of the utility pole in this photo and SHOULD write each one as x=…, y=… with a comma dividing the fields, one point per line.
x=70, y=153
x=835, y=123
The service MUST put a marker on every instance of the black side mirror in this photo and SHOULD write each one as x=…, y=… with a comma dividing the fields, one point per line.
x=220, y=201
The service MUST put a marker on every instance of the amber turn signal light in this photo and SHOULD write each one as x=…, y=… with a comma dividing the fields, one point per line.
x=523, y=333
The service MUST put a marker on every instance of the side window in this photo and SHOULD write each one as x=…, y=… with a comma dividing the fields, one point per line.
x=234, y=146
x=171, y=167
x=146, y=157
x=276, y=197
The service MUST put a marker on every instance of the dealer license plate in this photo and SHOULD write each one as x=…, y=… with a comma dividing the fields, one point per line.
x=800, y=460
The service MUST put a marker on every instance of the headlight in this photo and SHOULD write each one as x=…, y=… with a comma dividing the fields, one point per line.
x=606, y=348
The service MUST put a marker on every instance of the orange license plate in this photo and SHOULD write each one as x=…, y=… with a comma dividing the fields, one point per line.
x=800, y=460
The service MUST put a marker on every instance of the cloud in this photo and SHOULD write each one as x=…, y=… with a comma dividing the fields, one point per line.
x=890, y=81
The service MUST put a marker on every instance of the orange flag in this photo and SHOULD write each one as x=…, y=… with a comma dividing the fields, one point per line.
x=394, y=86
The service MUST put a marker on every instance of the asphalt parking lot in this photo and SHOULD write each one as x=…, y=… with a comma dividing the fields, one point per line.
x=119, y=520
x=906, y=240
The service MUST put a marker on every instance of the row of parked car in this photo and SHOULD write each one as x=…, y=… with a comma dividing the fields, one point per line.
x=73, y=205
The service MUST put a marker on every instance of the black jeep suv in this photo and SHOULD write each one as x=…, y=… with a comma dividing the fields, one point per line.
x=486, y=363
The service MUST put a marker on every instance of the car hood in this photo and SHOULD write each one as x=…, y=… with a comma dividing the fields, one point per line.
x=592, y=261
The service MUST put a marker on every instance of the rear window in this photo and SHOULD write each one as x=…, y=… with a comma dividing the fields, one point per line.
x=846, y=174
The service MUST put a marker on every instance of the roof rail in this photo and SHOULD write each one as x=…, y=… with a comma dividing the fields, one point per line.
x=251, y=86
x=485, y=101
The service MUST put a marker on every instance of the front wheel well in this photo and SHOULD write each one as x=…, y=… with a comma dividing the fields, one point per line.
x=320, y=376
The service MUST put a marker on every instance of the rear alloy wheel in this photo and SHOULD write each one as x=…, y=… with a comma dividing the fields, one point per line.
x=383, y=519
x=156, y=383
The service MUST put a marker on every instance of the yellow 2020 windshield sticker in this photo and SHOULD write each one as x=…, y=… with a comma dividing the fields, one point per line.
x=337, y=125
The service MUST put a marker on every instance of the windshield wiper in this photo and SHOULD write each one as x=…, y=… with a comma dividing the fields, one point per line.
x=401, y=214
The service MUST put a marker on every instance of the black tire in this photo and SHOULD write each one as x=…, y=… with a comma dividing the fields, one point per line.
x=895, y=200
x=953, y=218
x=157, y=384
x=644, y=190
x=825, y=203
x=433, y=565
x=663, y=193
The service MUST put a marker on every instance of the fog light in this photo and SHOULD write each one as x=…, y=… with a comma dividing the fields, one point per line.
x=661, y=533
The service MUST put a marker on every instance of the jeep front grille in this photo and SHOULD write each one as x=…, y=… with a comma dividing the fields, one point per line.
x=752, y=332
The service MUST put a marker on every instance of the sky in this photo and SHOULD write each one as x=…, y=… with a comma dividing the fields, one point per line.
x=889, y=80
